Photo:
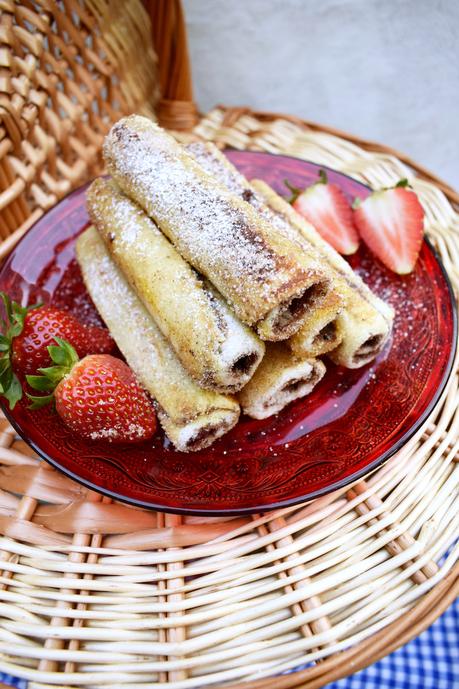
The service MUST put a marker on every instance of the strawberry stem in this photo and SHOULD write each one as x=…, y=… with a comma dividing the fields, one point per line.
x=11, y=327
x=402, y=183
x=323, y=179
x=295, y=191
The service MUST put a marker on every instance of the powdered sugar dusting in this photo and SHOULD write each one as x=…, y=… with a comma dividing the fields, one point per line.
x=217, y=233
x=213, y=161
x=205, y=334
x=366, y=313
x=216, y=164
x=180, y=399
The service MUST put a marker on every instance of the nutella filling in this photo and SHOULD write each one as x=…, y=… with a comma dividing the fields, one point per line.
x=327, y=334
x=204, y=433
x=295, y=385
x=369, y=348
x=244, y=364
x=294, y=310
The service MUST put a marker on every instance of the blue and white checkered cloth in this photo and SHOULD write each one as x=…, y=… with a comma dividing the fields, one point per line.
x=429, y=662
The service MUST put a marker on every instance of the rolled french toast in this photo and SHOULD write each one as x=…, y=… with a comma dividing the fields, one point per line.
x=281, y=378
x=365, y=323
x=216, y=349
x=254, y=267
x=192, y=418
x=353, y=325
x=319, y=332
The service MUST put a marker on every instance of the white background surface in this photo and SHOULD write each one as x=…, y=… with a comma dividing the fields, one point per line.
x=386, y=70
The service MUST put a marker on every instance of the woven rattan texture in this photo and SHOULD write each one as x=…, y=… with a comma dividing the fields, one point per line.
x=67, y=71
x=96, y=593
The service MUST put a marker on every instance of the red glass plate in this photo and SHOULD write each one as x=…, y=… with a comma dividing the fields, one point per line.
x=351, y=423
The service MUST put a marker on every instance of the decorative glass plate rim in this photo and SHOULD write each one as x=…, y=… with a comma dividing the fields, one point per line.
x=336, y=485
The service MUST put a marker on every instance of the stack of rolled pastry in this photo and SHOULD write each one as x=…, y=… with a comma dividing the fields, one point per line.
x=353, y=324
x=218, y=295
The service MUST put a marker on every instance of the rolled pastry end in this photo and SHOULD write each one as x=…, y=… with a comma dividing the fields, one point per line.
x=362, y=342
x=199, y=433
x=280, y=379
x=320, y=332
x=238, y=353
x=218, y=351
x=368, y=350
x=239, y=371
x=286, y=319
x=366, y=321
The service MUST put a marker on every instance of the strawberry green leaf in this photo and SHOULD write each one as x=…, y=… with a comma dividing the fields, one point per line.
x=6, y=377
x=63, y=354
x=39, y=401
x=323, y=179
x=5, y=364
x=357, y=202
x=13, y=392
x=19, y=315
x=53, y=373
x=10, y=387
x=40, y=383
x=15, y=329
x=19, y=310
x=15, y=318
x=58, y=355
x=65, y=357
x=7, y=304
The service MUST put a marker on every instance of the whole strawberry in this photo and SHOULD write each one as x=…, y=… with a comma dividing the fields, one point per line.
x=391, y=223
x=28, y=332
x=326, y=207
x=97, y=397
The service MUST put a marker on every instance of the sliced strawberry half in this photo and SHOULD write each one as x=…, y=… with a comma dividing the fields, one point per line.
x=326, y=207
x=391, y=223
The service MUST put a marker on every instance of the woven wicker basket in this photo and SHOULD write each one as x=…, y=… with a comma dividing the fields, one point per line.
x=97, y=593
